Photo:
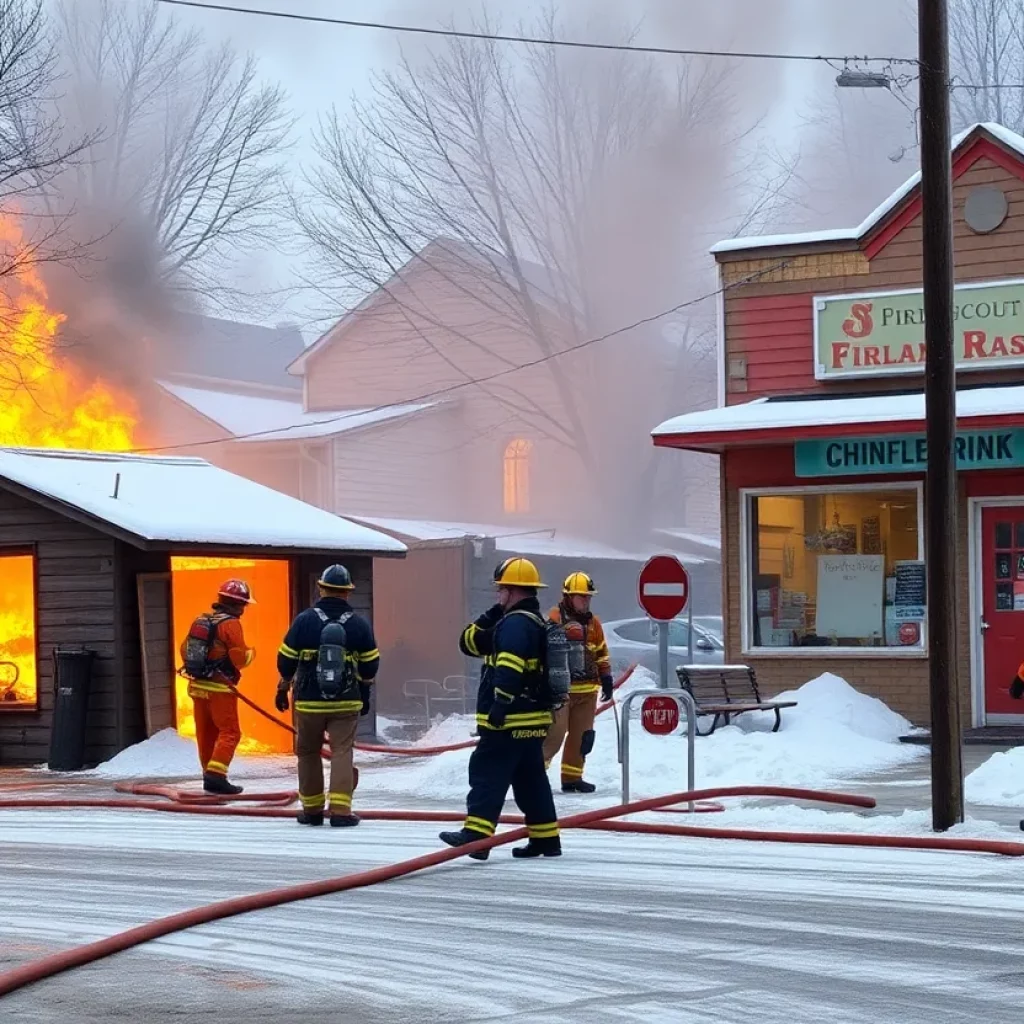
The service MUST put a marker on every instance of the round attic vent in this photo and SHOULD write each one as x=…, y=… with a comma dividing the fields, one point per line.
x=985, y=209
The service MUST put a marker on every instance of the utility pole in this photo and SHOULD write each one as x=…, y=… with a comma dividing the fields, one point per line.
x=940, y=513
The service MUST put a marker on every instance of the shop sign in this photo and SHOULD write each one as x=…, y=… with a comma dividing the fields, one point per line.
x=882, y=333
x=906, y=453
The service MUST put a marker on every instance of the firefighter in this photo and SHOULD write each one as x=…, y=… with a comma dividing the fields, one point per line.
x=319, y=708
x=591, y=672
x=511, y=716
x=214, y=654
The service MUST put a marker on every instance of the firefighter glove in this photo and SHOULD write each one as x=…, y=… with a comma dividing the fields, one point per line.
x=491, y=617
x=498, y=713
x=1017, y=688
x=281, y=699
x=364, y=693
x=607, y=688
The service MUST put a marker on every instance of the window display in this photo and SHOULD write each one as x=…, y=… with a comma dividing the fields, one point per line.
x=837, y=568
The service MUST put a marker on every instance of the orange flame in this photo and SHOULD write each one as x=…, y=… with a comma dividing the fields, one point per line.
x=45, y=402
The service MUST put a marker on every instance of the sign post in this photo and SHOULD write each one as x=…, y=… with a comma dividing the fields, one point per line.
x=659, y=715
x=663, y=590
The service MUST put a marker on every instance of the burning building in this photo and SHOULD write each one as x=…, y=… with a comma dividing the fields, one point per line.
x=118, y=552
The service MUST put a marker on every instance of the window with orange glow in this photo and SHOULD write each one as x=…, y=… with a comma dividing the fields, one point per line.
x=517, y=475
x=194, y=586
x=19, y=686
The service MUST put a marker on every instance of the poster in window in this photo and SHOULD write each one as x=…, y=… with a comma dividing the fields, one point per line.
x=1003, y=565
x=850, y=596
x=1018, y=596
x=871, y=535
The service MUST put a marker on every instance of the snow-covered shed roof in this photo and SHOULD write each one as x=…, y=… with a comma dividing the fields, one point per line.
x=782, y=419
x=1010, y=139
x=153, y=501
x=545, y=541
x=256, y=418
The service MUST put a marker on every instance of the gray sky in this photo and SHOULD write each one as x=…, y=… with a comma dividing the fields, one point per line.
x=320, y=65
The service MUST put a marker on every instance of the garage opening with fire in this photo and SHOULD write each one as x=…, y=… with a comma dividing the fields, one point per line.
x=118, y=553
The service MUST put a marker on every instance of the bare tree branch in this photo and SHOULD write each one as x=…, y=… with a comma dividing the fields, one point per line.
x=187, y=140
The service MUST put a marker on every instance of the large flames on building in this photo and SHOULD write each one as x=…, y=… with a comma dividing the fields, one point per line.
x=48, y=400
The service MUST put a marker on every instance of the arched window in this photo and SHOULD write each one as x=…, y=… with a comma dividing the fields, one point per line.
x=517, y=475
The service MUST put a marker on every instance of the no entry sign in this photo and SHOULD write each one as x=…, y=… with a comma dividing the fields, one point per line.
x=660, y=715
x=663, y=588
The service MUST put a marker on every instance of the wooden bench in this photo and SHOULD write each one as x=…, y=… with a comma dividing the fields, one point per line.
x=726, y=690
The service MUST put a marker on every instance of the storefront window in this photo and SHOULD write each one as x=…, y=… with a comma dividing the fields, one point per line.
x=838, y=568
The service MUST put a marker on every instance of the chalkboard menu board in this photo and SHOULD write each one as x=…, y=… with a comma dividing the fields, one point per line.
x=911, y=590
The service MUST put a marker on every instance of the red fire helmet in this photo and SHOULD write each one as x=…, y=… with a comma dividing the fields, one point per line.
x=236, y=590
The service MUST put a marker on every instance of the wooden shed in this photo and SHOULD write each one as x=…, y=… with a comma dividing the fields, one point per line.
x=91, y=547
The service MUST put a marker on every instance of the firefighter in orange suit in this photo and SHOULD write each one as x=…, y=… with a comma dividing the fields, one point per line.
x=214, y=653
x=591, y=673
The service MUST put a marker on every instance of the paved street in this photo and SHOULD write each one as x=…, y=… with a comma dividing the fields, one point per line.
x=623, y=928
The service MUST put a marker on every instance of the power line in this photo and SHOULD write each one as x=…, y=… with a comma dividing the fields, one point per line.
x=439, y=393
x=497, y=37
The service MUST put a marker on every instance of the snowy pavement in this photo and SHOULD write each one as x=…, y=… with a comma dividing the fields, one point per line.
x=622, y=928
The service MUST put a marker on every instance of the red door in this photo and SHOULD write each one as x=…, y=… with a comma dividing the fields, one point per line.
x=1002, y=575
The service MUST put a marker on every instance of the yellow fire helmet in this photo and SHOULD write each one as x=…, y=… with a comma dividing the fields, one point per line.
x=517, y=572
x=578, y=583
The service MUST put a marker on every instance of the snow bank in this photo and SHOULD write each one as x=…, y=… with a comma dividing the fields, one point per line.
x=166, y=755
x=834, y=735
x=999, y=782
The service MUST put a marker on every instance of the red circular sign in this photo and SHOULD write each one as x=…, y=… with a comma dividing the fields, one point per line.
x=910, y=633
x=660, y=715
x=663, y=588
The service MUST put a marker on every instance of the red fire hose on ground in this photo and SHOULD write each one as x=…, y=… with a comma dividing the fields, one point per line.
x=604, y=819
x=378, y=748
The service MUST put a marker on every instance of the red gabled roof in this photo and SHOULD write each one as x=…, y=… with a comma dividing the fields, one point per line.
x=984, y=140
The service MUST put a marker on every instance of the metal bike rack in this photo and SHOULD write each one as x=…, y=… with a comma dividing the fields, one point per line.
x=682, y=698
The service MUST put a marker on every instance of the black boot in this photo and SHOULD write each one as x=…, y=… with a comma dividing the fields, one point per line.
x=214, y=783
x=539, y=848
x=462, y=838
x=578, y=787
x=344, y=820
x=310, y=817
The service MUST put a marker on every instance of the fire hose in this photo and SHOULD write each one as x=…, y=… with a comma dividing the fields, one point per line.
x=602, y=819
x=377, y=748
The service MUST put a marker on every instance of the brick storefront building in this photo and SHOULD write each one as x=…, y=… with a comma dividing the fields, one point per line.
x=822, y=436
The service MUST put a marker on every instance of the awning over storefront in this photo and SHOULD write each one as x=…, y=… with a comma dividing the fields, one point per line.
x=784, y=420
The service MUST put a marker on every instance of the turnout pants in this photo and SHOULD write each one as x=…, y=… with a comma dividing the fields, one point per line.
x=340, y=727
x=217, y=730
x=574, y=718
x=498, y=762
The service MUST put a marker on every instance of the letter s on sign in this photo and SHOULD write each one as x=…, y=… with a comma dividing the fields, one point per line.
x=861, y=323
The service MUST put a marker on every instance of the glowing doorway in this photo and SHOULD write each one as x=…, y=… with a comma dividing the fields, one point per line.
x=194, y=585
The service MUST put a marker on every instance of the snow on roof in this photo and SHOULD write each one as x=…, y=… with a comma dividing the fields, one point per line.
x=184, y=500
x=1008, y=138
x=550, y=541
x=278, y=419
x=769, y=414
x=700, y=539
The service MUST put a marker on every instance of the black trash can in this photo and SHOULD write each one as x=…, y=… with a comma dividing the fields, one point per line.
x=72, y=680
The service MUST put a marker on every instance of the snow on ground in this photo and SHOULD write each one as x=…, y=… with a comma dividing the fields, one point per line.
x=166, y=755
x=999, y=782
x=833, y=735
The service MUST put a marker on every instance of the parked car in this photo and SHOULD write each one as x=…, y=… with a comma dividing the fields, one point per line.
x=712, y=623
x=636, y=640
